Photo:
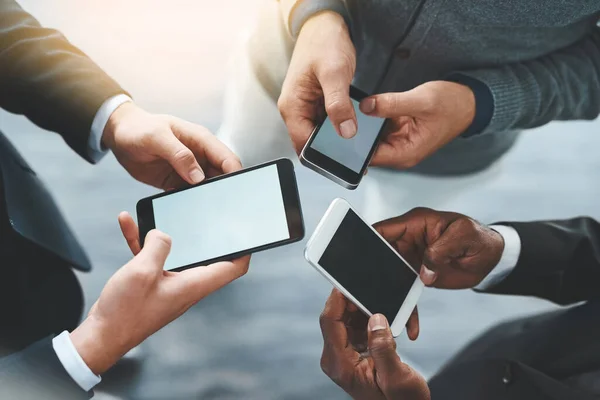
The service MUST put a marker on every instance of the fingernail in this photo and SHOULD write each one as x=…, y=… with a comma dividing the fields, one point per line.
x=348, y=129
x=427, y=275
x=196, y=175
x=377, y=323
x=367, y=105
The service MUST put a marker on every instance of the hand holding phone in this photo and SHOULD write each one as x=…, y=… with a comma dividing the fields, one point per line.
x=227, y=217
x=342, y=160
x=364, y=266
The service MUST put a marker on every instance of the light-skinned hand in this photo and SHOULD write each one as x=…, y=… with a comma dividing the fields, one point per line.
x=421, y=121
x=141, y=298
x=318, y=79
x=164, y=151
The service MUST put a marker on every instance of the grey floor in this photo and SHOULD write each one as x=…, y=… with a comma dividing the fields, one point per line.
x=259, y=338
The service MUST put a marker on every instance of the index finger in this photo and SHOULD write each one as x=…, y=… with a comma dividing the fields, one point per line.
x=207, y=146
x=130, y=232
x=385, y=155
x=197, y=283
x=333, y=326
x=392, y=229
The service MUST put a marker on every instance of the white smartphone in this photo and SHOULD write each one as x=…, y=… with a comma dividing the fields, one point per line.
x=359, y=262
x=344, y=161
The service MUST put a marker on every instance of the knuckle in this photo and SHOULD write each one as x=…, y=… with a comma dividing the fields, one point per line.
x=420, y=210
x=183, y=155
x=465, y=225
x=326, y=366
x=323, y=319
x=158, y=236
x=336, y=106
x=383, y=344
x=243, y=269
x=435, y=256
x=409, y=162
x=283, y=103
x=391, y=102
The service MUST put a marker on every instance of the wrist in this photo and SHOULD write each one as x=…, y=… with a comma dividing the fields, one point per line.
x=483, y=103
x=496, y=247
x=469, y=106
x=99, y=348
x=305, y=10
x=324, y=18
x=113, y=123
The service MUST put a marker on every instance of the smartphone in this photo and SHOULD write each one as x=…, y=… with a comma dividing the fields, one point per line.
x=364, y=266
x=344, y=161
x=228, y=216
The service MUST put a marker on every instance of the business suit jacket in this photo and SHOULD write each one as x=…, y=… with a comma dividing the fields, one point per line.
x=547, y=356
x=47, y=79
x=37, y=374
x=56, y=86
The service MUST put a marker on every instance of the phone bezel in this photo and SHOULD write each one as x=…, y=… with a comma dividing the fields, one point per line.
x=330, y=168
x=291, y=201
x=319, y=241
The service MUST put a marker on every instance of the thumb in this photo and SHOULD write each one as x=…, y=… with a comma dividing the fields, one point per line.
x=156, y=249
x=338, y=105
x=179, y=157
x=393, y=105
x=382, y=347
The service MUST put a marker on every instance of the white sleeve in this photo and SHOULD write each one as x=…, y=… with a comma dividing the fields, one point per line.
x=509, y=259
x=95, y=149
x=73, y=363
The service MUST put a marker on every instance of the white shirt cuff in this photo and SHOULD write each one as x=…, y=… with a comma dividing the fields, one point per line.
x=509, y=259
x=73, y=363
x=95, y=148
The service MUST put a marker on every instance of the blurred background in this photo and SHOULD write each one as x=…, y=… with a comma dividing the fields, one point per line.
x=259, y=338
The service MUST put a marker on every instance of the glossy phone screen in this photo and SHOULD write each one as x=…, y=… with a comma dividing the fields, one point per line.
x=228, y=216
x=351, y=153
x=359, y=260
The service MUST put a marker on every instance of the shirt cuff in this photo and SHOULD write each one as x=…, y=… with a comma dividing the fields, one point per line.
x=95, y=149
x=509, y=259
x=484, y=102
x=73, y=363
x=305, y=9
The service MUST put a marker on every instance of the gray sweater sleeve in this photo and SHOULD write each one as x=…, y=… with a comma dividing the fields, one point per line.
x=564, y=85
x=305, y=9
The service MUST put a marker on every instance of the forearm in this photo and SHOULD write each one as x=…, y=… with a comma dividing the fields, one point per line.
x=564, y=85
x=47, y=79
x=559, y=261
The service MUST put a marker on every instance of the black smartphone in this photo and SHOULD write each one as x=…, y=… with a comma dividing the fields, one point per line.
x=226, y=217
x=344, y=161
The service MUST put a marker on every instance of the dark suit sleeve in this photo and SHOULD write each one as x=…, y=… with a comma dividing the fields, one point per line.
x=559, y=261
x=47, y=79
x=37, y=373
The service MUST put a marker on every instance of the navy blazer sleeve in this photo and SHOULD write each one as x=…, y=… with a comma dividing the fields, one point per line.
x=559, y=261
x=47, y=79
x=37, y=373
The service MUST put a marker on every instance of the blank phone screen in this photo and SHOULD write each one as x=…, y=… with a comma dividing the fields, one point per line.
x=365, y=266
x=227, y=216
x=352, y=153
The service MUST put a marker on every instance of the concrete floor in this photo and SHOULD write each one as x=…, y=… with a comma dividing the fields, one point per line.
x=259, y=338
